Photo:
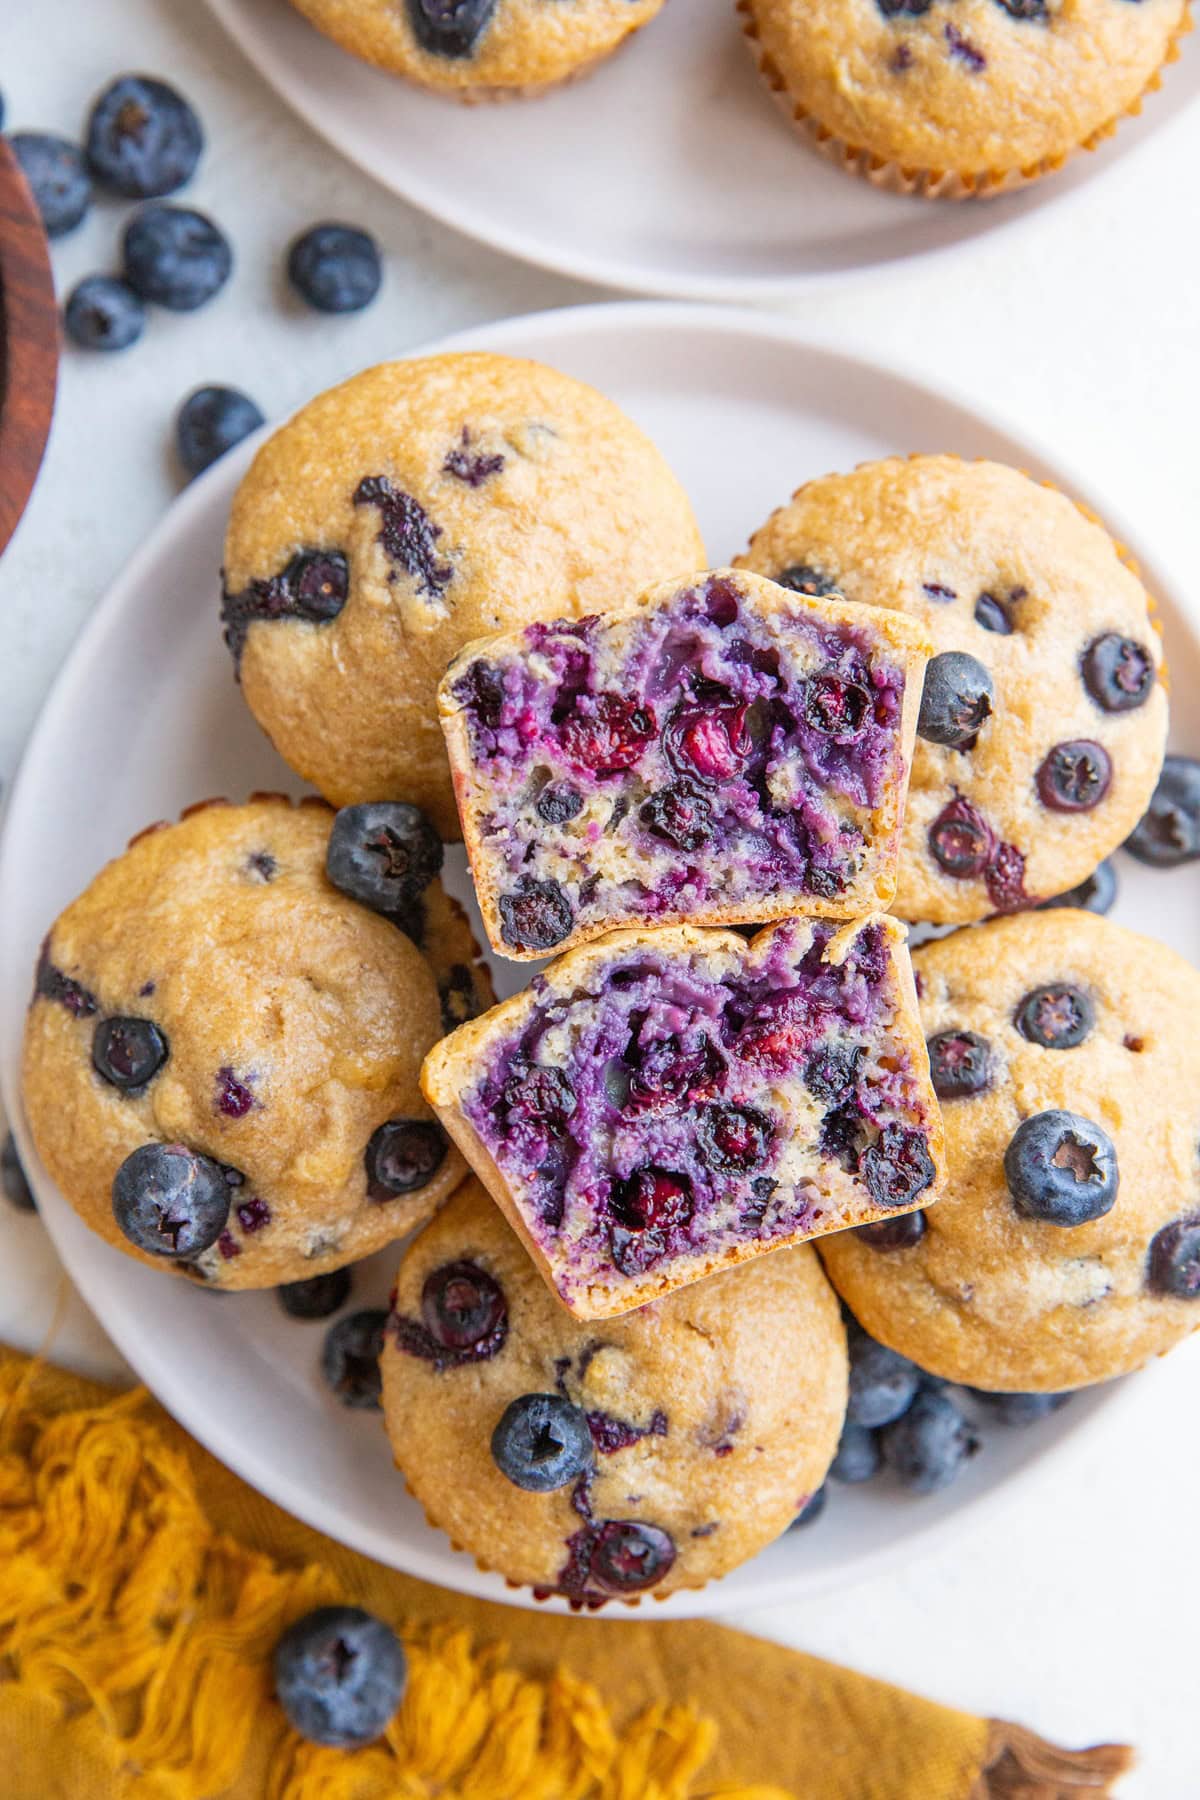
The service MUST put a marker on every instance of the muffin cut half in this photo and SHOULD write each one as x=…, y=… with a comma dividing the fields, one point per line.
x=660, y=1105
x=722, y=751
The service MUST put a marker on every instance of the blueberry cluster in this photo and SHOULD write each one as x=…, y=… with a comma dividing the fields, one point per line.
x=142, y=142
x=913, y=1426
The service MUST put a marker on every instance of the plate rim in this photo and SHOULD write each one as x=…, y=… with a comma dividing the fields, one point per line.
x=551, y=326
x=524, y=246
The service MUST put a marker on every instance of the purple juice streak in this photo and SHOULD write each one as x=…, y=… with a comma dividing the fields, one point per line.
x=253, y=1214
x=234, y=1098
x=51, y=984
x=610, y=1434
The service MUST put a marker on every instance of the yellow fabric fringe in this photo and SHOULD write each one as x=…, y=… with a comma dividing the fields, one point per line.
x=143, y=1636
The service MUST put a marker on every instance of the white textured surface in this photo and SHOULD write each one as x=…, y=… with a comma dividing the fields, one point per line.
x=1069, y=1609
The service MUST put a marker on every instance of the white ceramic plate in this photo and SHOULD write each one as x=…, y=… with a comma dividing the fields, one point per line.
x=669, y=170
x=145, y=718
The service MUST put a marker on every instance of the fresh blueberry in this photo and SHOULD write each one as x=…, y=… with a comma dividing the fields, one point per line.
x=383, y=853
x=1096, y=893
x=464, y=1309
x=900, y=1233
x=542, y=1442
x=350, y=1359
x=1019, y=1409
x=535, y=915
x=57, y=177
x=733, y=1139
x=336, y=268
x=143, y=139
x=450, y=28
x=897, y=1166
x=882, y=1383
x=403, y=1156
x=993, y=615
x=1169, y=831
x=317, y=1298
x=558, y=803
x=955, y=701
x=175, y=257
x=170, y=1200
x=128, y=1052
x=960, y=1064
x=1061, y=1168
x=13, y=1180
x=857, y=1456
x=1174, y=1262
x=812, y=1509
x=960, y=840
x=1057, y=1017
x=927, y=1448
x=104, y=313
x=340, y=1674
x=210, y=422
x=1074, y=777
x=1118, y=672
x=801, y=579
x=680, y=815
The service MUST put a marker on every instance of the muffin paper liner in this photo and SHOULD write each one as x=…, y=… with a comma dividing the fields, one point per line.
x=934, y=184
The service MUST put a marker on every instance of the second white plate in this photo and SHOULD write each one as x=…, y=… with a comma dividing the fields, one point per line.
x=145, y=718
x=667, y=171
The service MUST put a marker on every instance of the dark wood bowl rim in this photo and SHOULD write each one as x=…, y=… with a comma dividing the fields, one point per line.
x=28, y=343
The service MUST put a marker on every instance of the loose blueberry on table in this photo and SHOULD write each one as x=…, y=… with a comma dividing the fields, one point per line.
x=335, y=268
x=651, y=1111
x=175, y=257
x=340, y=1674
x=104, y=313
x=1096, y=893
x=712, y=751
x=211, y=421
x=143, y=139
x=57, y=177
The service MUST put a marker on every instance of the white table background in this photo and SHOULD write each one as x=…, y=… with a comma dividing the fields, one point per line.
x=1069, y=1606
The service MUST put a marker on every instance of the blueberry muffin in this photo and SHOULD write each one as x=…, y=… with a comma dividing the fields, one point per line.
x=721, y=752
x=965, y=99
x=654, y=1455
x=662, y=1104
x=222, y=1053
x=481, y=49
x=417, y=506
x=1066, y=1246
x=1044, y=715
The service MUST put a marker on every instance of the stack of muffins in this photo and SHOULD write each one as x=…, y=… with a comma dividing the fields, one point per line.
x=916, y=96
x=465, y=593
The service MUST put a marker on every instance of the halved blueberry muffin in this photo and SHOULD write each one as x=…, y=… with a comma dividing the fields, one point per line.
x=222, y=1052
x=1066, y=1247
x=722, y=752
x=660, y=1105
x=605, y=1465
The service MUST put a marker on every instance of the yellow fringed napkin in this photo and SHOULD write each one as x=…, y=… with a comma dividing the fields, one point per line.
x=143, y=1586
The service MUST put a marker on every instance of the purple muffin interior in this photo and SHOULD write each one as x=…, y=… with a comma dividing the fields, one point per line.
x=704, y=751
x=680, y=1105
